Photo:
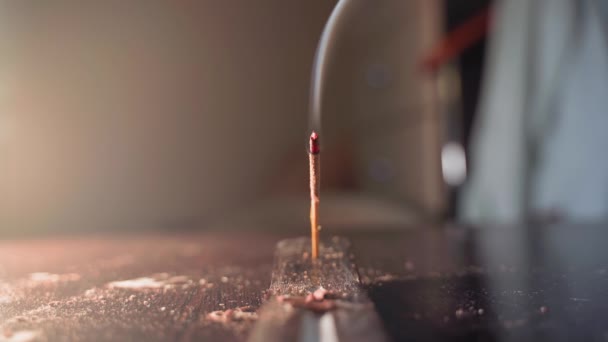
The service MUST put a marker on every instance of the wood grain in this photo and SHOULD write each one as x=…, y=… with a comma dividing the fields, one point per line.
x=451, y=284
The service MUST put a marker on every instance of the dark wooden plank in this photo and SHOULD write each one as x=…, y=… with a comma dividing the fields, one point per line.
x=132, y=288
x=296, y=274
x=454, y=284
x=317, y=300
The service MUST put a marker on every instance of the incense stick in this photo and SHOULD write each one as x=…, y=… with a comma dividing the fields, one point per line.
x=314, y=168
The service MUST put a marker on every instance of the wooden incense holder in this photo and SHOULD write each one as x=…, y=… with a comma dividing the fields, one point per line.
x=316, y=300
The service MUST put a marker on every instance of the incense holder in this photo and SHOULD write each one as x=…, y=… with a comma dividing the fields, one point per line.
x=316, y=299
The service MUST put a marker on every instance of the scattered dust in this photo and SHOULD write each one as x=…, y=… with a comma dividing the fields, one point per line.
x=233, y=315
x=19, y=336
x=156, y=281
x=308, y=303
x=4, y=299
x=54, y=303
x=41, y=313
x=45, y=277
x=178, y=280
x=318, y=301
x=90, y=292
x=137, y=283
x=320, y=293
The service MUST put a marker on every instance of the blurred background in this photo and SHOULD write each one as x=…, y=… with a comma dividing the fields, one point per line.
x=183, y=114
x=147, y=115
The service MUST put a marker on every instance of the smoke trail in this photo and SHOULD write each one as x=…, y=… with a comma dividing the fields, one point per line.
x=320, y=65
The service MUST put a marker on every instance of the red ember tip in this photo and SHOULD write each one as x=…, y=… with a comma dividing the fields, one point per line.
x=314, y=143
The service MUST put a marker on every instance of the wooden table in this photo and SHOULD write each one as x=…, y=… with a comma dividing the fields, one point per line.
x=486, y=284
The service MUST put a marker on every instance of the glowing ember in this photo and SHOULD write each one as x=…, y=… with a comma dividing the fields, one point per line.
x=315, y=147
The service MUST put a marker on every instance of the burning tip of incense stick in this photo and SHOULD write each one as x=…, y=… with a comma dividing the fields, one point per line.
x=314, y=143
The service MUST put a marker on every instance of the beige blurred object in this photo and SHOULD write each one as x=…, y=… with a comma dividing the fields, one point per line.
x=126, y=114
x=382, y=132
x=147, y=114
x=377, y=92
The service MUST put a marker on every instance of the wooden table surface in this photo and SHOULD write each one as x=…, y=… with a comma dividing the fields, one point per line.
x=454, y=283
